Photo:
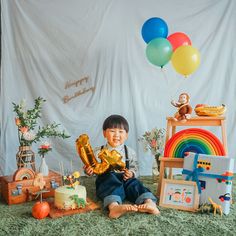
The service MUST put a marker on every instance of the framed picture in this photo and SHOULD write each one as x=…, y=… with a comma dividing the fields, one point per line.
x=179, y=194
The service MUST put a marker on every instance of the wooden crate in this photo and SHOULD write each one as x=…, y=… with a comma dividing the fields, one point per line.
x=15, y=192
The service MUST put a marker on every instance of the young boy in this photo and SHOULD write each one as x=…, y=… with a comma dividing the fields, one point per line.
x=114, y=187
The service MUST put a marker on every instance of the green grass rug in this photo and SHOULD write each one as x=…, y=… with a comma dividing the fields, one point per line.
x=17, y=220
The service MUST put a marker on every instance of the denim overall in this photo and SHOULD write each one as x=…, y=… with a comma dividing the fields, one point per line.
x=110, y=187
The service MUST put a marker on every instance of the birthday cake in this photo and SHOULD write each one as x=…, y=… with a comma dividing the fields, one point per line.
x=68, y=197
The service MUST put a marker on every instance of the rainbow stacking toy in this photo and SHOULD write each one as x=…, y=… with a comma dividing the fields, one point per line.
x=193, y=140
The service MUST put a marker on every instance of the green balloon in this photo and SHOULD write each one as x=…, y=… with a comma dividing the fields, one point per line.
x=159, y=51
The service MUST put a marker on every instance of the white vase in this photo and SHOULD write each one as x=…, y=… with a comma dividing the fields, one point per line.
x=43, y=167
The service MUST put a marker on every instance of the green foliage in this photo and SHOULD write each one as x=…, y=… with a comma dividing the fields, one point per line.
x=50, y=131
x=28, y=118
x=26, y=121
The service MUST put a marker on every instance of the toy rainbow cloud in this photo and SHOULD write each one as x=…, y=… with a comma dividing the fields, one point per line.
x=193, y=140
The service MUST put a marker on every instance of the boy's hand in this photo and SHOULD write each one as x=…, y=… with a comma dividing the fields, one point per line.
x=88, y=170
x=128, y=174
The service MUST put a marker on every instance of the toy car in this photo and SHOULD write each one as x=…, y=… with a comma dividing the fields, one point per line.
x=225, y=197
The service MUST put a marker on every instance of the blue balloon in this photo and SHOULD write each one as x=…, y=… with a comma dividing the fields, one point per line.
x=154, y=28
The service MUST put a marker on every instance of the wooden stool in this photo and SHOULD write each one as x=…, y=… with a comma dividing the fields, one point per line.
x=197, y=121
x=171, y=130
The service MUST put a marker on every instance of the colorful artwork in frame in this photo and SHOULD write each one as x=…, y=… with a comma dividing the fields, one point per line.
x=179, y=194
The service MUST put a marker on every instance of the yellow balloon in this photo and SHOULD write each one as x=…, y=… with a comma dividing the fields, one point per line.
x=185, y=60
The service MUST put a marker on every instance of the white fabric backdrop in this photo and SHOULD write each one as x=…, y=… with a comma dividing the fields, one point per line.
x=46, y=44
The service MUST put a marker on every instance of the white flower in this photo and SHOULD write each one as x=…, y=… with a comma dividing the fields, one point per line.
x=29, y=136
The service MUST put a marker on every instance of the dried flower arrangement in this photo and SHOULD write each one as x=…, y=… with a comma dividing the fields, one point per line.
x=153, y=141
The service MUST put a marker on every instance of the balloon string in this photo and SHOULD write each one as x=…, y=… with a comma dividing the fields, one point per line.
x=168, y=85
x=179, y=85
x=167, y=82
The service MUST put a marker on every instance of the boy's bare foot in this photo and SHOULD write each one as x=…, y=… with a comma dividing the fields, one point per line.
x=117, y=210
x=149, y=207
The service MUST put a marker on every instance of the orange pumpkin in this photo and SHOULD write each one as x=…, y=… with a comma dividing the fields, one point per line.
x=40, y=210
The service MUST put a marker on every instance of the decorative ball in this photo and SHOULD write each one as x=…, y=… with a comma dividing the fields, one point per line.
x=40, y=210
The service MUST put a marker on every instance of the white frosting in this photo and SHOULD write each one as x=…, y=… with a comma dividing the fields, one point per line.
x=63, y=194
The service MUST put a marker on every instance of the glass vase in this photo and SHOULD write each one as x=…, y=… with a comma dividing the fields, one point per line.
x=25, y=158
x=155, y=168
x=43, y=168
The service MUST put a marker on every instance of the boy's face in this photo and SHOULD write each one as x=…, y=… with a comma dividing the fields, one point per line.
x=115, y=136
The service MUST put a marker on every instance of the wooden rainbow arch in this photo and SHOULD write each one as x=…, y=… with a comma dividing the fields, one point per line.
x=193, y=140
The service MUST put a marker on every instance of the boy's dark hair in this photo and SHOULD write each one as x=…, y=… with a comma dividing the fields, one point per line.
x=116, y=121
